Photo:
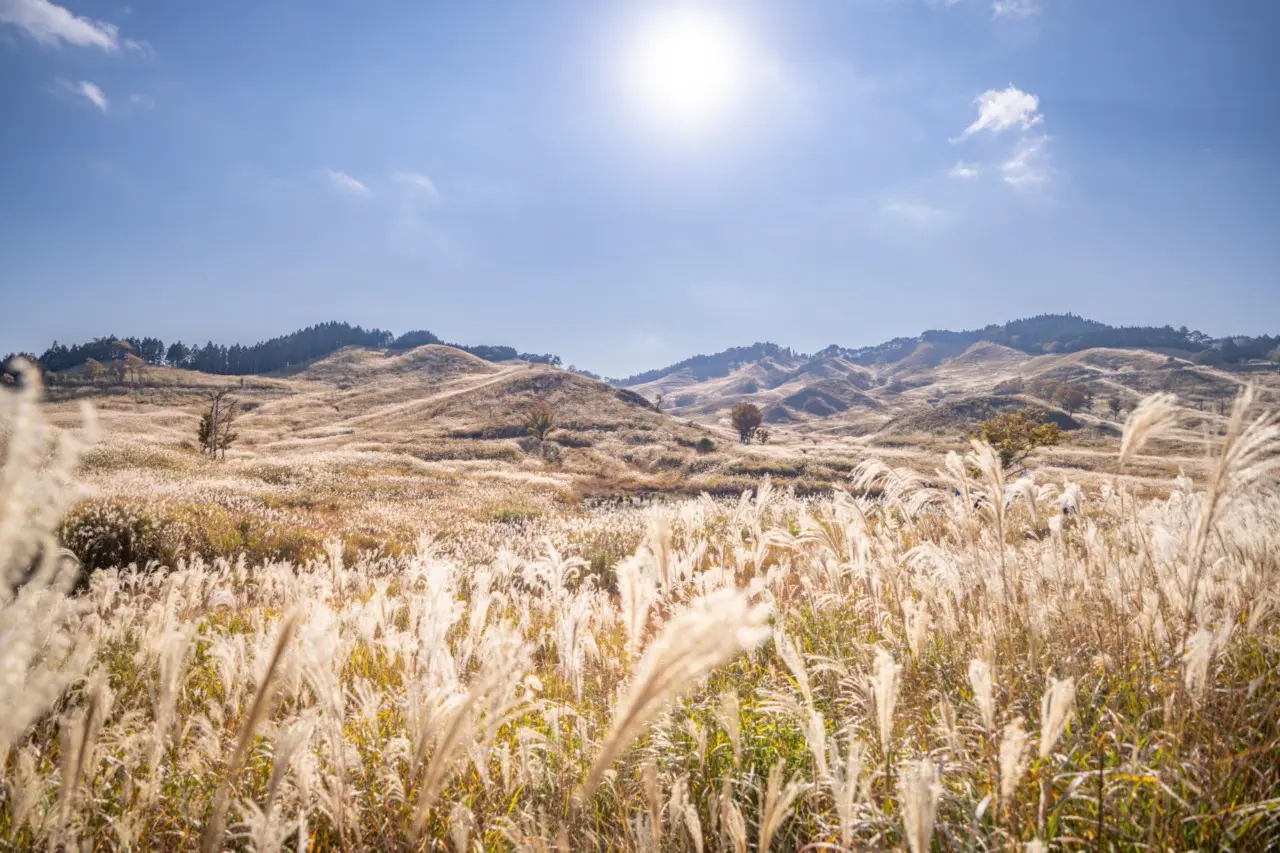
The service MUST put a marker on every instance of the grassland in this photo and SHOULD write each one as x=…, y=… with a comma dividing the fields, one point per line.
x=345, y=642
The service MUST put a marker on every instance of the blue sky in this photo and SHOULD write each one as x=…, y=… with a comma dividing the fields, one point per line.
x=492, y=171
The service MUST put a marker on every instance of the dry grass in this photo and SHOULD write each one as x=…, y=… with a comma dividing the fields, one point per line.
x=958, y=663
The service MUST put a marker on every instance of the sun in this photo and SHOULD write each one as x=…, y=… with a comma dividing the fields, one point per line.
x=685, y=69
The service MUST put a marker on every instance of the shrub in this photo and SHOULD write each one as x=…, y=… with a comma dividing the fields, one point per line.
x=746, y=418
x=1009, y=386
x=603, y=548
x=668, y=461
x=514, y=514
x=1211, y=357
x=1016, y=435
x=569, y=439
x=758, y=467
x=107, y=534
x=551, y=452
x=1071, y=399
x=357, y=543
x=705, y=445
x=540, y=420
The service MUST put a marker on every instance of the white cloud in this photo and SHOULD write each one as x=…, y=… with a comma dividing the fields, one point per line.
x=963, y=170
x=418, y=182
x=1027, y=169
x=1004, y=109
x=347, y=184
x=1014, y=8
x=916, y=213
x=50, y=23
x=92, y=92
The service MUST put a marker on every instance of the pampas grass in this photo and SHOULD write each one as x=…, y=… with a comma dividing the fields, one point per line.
x=1013, y=758
x=980, y=681
x=1149, y=419
x=1055, y=712
x=919, y=793
x=705, y=634
x=500, y=692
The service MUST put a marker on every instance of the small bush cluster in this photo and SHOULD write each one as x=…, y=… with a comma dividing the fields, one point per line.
x=116, y=533
x=113, y=533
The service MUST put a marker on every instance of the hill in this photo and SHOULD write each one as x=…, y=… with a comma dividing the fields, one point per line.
x=1039, y=335
x=280, y=353
x=939, y=387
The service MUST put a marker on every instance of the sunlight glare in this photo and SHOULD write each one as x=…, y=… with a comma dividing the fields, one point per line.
x=685, y=69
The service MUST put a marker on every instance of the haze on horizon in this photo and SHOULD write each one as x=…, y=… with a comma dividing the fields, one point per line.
x=626, y=184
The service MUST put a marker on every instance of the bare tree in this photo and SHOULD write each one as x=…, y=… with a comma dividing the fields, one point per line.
x=540, y=420
x=215, y=431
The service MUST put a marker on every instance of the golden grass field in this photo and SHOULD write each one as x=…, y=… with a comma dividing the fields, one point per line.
x=386, y=621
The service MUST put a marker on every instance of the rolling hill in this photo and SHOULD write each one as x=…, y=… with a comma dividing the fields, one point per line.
x=944, y=382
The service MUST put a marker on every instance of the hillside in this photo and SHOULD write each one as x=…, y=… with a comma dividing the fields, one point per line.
x=1040, y=335
x=451, y=421
x=939, y=381
x=285, y=352
x=429, y=421
x=934, y=389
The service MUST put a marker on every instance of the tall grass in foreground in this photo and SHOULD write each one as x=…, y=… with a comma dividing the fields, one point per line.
x=964, y=664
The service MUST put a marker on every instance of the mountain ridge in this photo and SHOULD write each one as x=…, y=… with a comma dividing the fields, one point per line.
x=1038, y=335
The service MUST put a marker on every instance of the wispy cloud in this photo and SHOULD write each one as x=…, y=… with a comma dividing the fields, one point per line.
x=93, y=93
x=1014, y=8
x=1000, y=110
x=963, y=170
x=343, y=182
x=418, y=182
x=914, y=213
x=1028, y=169
x=50, y=23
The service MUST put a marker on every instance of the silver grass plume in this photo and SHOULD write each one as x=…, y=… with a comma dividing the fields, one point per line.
x=1055, y=712
x=1013, y=758
x=778, y=801
x=844, y=784
x=636, y=592
x=795, y=665
x=884, y=687
x=728, y=714
x=709, y=632
x=1149, y=419
x=684, y=812
x=1201, y=648
x=258, y=710
x=980, y=680
x=40, y=653
x=919, y=788
x=491, y=690
x=1250, y=453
